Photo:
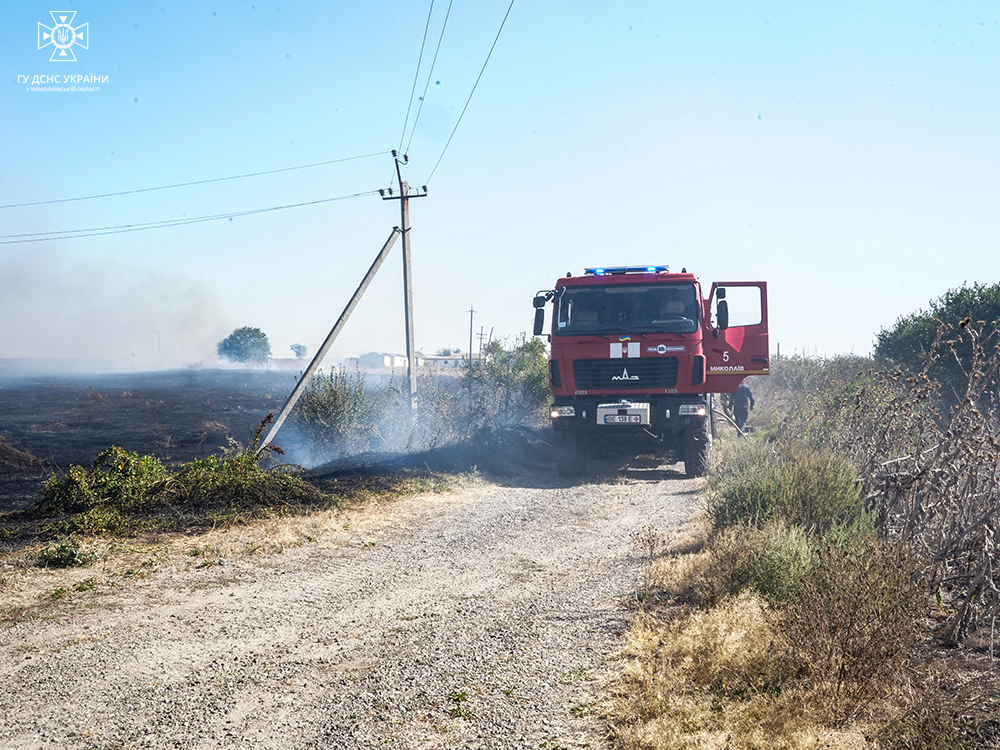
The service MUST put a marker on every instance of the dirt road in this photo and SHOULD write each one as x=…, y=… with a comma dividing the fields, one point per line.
x=481, y=618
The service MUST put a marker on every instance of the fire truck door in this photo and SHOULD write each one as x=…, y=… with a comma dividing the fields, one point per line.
x=738, y=347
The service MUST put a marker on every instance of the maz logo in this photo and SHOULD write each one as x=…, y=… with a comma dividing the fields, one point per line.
x=625, y=375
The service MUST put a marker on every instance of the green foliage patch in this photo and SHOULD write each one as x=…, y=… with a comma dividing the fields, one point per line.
x=117, y=478
x=797, y=485
x=123, y=492
x=914, y=342
x=66, y=554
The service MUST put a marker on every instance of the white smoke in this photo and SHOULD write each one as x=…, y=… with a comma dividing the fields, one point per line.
x=124, y=316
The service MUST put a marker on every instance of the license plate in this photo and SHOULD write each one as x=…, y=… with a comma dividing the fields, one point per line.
x=622, y=419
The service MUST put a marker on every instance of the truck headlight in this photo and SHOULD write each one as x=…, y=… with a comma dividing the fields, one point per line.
x=693, y=410
x=563, y=411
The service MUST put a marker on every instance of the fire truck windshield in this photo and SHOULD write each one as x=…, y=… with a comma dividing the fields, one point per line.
x=627, y=308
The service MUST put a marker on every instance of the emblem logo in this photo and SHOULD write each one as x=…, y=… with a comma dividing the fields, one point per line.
x=62, y=36
x=625, y=349
x=625, y=375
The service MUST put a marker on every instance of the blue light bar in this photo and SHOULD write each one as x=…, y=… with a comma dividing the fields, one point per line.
x=618, y=270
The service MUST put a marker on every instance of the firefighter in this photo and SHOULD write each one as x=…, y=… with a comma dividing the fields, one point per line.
x=741, y=403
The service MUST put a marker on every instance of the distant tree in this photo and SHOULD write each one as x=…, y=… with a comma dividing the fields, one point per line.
x=299, y=350
x=446, y=352
x=245, y=345
x=907, y=345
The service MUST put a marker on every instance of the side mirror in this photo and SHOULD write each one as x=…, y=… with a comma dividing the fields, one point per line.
x=722, y=314
x=539, y=318
x=538, y=301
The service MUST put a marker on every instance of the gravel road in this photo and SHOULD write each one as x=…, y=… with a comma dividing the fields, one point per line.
x=484, y=618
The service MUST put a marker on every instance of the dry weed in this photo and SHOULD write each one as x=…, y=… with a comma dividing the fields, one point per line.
x=930, y=473
x=721, y=678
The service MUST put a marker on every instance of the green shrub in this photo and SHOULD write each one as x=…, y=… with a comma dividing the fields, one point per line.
x=236, y=481
x=123, y=492
x=117, y=478
x=800, y=486
x=772, y=561
x=340, y=411
x=65, y=554
x=507, y=389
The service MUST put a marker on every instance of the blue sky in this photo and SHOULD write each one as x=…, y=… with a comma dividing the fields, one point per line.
x=846, y=153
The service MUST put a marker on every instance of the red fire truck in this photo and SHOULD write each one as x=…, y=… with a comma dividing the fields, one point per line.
x=637, y=355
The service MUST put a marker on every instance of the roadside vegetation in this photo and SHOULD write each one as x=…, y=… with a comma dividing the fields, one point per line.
x=842, y=588
x=491, y=402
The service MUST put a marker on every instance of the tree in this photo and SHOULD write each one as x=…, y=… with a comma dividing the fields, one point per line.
x=907, y=345
x=299, y=350
x=245, y=345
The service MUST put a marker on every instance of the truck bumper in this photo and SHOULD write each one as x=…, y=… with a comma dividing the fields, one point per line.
x=595, y=417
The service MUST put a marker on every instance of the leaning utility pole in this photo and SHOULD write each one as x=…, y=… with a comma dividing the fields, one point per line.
x=303, y=381
x=404, y=211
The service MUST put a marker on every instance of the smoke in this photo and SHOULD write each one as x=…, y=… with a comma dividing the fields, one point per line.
x=104, y=311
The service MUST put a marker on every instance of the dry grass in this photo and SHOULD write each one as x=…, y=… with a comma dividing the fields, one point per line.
x=719, y=678
x=733, y=671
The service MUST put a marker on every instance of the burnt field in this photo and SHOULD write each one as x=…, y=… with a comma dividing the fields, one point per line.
x=176, y=416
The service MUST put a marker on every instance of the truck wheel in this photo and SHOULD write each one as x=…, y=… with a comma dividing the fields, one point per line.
x=571, y=457
x=698, y=450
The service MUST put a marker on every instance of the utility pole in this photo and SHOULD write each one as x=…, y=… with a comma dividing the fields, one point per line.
x=471, y=311
x=482, y=335
x=411, y=372
x=404, y=211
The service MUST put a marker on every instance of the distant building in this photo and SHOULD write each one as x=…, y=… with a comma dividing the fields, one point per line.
x=452, y=360
x=382, y=361
x=389, y=361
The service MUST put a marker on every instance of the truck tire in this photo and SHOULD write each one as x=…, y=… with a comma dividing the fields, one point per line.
x=698, y=450
x=571, y=457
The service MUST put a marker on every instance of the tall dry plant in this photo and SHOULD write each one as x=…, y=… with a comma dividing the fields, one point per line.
x=930, y=471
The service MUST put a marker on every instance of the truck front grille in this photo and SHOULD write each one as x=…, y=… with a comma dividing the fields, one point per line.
x=625, y=373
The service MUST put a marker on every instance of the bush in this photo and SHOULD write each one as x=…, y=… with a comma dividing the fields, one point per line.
x=117, y=478
x=852, y=621
x=66, y=554
x=508, y=388
x=121, y=492
x=772, y=561
x=914, y=342
x=340, y=411
x=800, y=486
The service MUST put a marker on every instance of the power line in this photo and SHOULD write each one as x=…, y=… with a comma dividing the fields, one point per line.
x=189, y=184
x=502, y=23
x=430, y=75
x=65, y=234
x=416, y=74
